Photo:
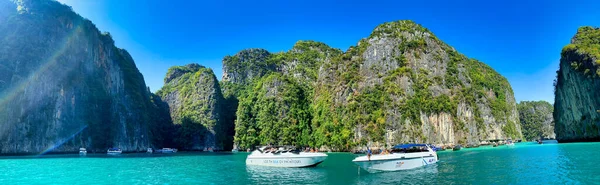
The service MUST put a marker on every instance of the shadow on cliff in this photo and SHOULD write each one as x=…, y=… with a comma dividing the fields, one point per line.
x=228, y=118
x=191, y=135
x=163, y=130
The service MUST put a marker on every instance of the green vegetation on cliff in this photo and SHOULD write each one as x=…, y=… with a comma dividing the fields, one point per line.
x=276, y=111
x=248, y=64
x=576, y=107
x=587, y=40
x=586, y=43
x=186, y=81
x=196, y=106
x=377, y=90
x=536, y=119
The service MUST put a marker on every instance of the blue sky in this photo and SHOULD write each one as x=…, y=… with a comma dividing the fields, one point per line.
x=522, y=40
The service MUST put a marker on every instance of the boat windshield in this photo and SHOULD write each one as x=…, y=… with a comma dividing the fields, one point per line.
x=409, y=148
x=278, y=149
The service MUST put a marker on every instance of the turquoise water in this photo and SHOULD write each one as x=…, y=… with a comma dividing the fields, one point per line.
x=525, y=163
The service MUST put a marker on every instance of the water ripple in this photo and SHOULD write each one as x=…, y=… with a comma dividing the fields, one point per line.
x=525, y=163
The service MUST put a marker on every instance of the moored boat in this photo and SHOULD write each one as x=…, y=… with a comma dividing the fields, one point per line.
x=457, y=147
x=509, y=142
x=284, y=157
x=435, y=148
x=82, y=151
x=114, y=151
x=358, y=152
x=403, y=157
x=149, y=150
x=166, y=150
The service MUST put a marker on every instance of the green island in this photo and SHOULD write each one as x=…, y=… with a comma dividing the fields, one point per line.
x=237, y=93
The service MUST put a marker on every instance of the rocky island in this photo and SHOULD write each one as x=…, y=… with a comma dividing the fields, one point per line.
x=577, y=106
x=65, y=85
x=196, y=105
x=400, y=84
x=536, y=120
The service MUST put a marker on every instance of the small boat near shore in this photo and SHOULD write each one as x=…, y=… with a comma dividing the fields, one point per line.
x=82, y=151
x=510, y=143
x=473, y=146
x=402, y=157
x=284, y=157
x=358, y=152
x=114, y=151
x=457, y=147
x=166, y=150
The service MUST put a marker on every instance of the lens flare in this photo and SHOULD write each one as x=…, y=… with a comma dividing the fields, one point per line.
x=18, y=89
x=61, y=142
x=52, y=60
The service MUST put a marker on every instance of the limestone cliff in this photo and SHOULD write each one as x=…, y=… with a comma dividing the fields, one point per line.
x=405, y=84
x=401, y=84
x=536, y=119
x=195, y=102
x=576, y=104
x=247, y=65
x=64, y=85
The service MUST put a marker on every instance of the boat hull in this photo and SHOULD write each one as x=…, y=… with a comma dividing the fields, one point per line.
x=287, y=161
x=396, y=161
x=165, y=152
x=395, y=164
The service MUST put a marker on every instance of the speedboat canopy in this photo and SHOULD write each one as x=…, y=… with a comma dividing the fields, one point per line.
x=405, y=146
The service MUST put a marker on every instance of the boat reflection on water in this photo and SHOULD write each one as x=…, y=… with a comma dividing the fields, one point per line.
x=270, y=175
x=338, y=172
x=422, y=175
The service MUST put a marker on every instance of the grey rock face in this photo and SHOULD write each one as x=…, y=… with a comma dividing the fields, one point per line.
x=536, y=119
x=64, y=85
x=576, y=107
x=195, y=102
x=416, y=52
x=247, y=65
x=401, y=84
x=432, y=60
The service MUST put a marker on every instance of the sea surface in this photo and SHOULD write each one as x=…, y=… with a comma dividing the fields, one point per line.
x=525, y=163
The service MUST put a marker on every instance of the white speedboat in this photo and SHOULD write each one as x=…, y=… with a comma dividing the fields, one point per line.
x=166, y=150
x=284, y=157
x=403, y=157
x=149, y=150
x=114, y=151
x=82, y=151
x=510, y=143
